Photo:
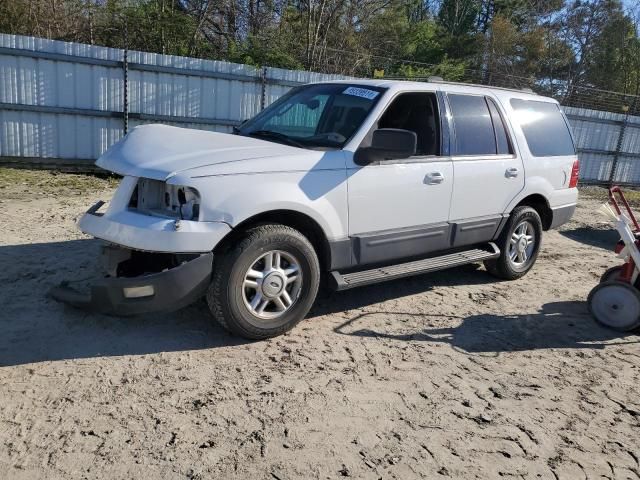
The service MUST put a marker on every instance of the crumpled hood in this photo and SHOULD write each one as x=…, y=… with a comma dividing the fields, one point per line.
x=160, y=151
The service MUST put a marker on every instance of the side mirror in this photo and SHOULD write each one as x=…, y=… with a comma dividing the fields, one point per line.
x=388, y=144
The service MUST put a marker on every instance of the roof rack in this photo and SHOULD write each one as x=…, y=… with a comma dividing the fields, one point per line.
x=434, y=79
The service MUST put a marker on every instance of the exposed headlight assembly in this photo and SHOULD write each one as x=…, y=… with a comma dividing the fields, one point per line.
x=157, y=198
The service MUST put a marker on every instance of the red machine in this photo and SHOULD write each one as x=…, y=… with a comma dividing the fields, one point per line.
x=615, y=302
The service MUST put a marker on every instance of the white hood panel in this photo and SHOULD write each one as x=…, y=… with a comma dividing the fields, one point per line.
x=160, y=151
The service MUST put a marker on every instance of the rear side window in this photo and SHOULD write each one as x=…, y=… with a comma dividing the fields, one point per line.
x=473, y=125
x=544, y=127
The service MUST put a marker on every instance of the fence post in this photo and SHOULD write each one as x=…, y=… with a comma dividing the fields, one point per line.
x=616, y=155
x=125, y=71
x=263, y=88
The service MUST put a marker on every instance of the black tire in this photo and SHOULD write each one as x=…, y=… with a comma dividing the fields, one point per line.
x=613, y=274
x=610, y=274
x=503, y=267
x=615, y=305
x=226, y=295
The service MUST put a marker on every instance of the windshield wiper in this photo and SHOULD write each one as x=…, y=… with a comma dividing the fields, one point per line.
x=276, y=136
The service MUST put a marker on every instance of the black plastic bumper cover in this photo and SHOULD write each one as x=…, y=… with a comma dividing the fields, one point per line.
x=173, y=289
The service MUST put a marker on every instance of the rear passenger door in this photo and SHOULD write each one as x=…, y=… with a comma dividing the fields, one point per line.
x=487, y=173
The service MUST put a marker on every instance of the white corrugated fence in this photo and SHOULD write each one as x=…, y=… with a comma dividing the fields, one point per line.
x=63, y=104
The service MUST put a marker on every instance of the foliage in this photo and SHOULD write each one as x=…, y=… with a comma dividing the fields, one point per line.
x=555, y=45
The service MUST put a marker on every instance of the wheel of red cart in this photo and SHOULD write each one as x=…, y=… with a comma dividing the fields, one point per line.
x=612, y=273
x=615, y=305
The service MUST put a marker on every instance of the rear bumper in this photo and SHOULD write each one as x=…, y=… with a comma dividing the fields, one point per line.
x=562, y=215
x=163, y=291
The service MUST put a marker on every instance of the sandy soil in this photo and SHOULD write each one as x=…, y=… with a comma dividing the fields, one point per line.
x=451, y=374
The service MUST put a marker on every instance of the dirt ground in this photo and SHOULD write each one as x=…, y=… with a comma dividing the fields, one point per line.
x=446, y=375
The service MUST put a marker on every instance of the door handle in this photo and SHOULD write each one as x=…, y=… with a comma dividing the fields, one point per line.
x=434, y=178
x=511, y=172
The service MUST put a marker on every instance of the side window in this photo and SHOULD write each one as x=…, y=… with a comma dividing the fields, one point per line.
x=473, y=125
x=417, y=112
x=544, y=128
x=502, y=137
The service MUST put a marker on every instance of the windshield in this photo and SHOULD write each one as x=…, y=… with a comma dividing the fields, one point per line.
x=322, y=115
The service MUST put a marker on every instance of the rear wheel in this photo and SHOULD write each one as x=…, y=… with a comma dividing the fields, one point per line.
x=266, y=284
x=519, y=245
x=615, y=305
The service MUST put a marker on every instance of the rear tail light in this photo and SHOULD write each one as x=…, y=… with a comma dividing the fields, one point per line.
x=575, y=171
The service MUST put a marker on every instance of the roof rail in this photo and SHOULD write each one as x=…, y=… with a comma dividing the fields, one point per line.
x=469, y=84
x=465, y=84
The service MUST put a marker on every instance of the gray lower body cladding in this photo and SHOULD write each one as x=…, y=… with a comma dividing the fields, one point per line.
x=562, y=215
x=413, y=242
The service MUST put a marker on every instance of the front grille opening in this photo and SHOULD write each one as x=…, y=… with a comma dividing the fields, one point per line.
x=147, y=263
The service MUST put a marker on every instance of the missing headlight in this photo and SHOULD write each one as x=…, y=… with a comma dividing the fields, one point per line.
x=188, y=203
x=160, y=199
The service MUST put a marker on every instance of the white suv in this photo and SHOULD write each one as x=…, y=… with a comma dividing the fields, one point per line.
x=360, y=181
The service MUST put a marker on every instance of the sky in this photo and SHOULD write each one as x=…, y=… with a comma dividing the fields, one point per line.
x=630, y=3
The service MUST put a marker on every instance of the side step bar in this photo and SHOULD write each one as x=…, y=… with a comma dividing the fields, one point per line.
x=392, y=272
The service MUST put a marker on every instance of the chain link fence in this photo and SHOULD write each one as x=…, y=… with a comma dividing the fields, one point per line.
x=606, y=124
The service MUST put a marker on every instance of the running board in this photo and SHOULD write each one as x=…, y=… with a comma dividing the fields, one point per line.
x=392, y=272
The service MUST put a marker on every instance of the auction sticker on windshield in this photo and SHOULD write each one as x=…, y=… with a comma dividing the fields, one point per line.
x=361, y=92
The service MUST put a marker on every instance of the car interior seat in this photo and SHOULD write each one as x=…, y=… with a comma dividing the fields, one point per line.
x=352, y=121
x=416, y=114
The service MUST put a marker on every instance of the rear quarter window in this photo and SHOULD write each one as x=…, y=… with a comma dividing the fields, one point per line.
x=544, y=128
x=473, y=125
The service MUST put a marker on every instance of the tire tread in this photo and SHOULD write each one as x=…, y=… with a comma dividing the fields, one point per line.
x=223, y=263
x=500, y=267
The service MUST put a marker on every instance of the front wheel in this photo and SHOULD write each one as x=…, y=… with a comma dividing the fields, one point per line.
x=519, y=245
x=265, y=284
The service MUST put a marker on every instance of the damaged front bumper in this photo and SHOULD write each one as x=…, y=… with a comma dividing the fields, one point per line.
x=141, y=282
x=136, y=230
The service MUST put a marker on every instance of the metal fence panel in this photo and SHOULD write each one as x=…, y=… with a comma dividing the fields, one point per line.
x=608, y=145
x=589, y=133
x=595, y=167
x=631, y=141
x=66, y=103
x=62, y=102
x=627, y=171
x=284, y=79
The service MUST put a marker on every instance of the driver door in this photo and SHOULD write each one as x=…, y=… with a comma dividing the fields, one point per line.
x=400, y=208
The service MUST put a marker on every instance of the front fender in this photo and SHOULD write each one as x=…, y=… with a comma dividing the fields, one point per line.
x=319, y=194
